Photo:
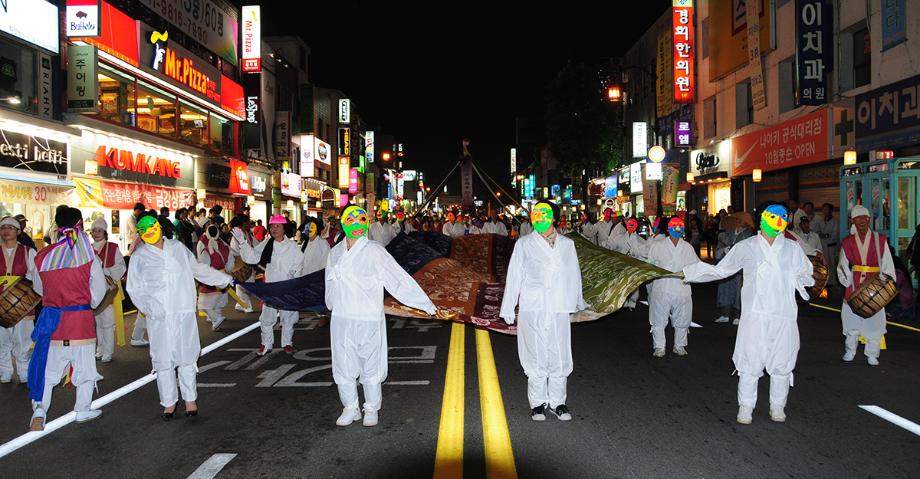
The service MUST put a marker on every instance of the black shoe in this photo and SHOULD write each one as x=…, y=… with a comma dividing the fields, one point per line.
x=562, y=412
x=167, y=415
x=191, y=413
x=538, y=413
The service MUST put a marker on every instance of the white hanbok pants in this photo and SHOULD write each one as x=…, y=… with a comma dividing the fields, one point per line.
x=83, y=360
x=545, y=351
x=15, y=346
x=677, y=308
x=175, y=345
x=105, y=332
x=872, y=328
x=768, y=343
x=269, y=318
x=359, y=354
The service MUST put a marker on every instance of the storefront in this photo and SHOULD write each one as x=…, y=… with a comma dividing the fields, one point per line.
x=229, y=184
x=260, y=202
x=291, y=187
x=111, y=172
x=313, y=193
x=711, y=189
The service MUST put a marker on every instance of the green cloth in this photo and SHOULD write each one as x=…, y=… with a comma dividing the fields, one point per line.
x=608, y=277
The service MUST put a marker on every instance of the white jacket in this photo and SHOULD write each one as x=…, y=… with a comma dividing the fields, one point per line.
x=542, y=278
x=356, y=278
x=497, y=228
x=382, y=233
x=315, y=256
x=674, y=258
x=285, y=262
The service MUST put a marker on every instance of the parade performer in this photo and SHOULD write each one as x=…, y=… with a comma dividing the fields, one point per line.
x=315, y=249
x=544, y=283
x=65, y=333
x=862, y=256
x=161, y=282
x=213, y=252
x=17, y=259
x=403, y=226
x=496, y=227
x=113, y=266
x=768, y=335
x=526, y=227
x=610, y=233
x=636, y=247
x=381, y=231
x=452, y=227
x=736, y=228
x=244, y=224
x=670, y=297
x=282, y=260
x=357, y=272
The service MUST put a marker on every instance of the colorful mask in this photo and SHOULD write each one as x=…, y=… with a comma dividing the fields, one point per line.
x=541, y=217
x=354, y=222
x=564, y=223
x=149, y=229
x=608, y=214
x=311, y=231
x=774, y=220
x=451, y=217
x=676, y=228
x=632, y=225
x=400, y=216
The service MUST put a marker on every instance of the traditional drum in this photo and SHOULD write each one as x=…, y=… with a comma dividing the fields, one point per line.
x=17, y=300
x=819, y=273
x=111, y=290
x=242, y=272
x=873, y=295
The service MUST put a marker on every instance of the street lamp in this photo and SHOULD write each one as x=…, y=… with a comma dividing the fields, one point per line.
x=757, y=175
x=614, y=94
x=849, y=157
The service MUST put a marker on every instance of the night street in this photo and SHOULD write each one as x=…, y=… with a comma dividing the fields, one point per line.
x=635, y=415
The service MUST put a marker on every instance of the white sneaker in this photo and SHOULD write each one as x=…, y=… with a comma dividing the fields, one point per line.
x=242, y=309
x=216, y=325
x=873, y=361
x=37, y=422
x=745, y=415
x=370, y=417
x=658, y=353
x=349, y=415
x=107, y=359
x=736, y=321
x=6, y=378
x=722, y=319
x=87, y=416
x=98, y=356
x=849, y=356
x=139, y=343
x=777, y=414
x=680, y=351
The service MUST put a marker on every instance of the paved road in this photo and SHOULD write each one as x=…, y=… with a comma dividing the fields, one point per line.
x=635, y=415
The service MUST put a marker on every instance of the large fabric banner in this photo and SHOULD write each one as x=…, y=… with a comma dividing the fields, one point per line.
x=464, y=290
x=123, y=196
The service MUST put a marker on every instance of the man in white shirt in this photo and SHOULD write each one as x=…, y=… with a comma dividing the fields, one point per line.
x=496, y=227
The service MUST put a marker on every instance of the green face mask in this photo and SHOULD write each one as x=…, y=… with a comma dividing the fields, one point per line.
x=541, y=217
x=354, y=222
x=773, y=221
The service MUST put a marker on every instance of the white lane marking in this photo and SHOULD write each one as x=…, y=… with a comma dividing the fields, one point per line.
x=68, y=418
x=893, y=418
x=212, y=466
x=694, y=325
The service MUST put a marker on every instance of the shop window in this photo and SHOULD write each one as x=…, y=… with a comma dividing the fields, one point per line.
x=744, y=105
x=787, y=84
x=862, y=57
x=193, y=124
x=18, y=77
x=156, y=110
x=116, y=97
x=221, y=134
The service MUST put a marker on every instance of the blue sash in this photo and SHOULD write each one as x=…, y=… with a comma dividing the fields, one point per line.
x=45, y=326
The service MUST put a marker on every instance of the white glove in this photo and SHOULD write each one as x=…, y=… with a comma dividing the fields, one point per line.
x=509, y=321
x=432, y=311
x=237, y=233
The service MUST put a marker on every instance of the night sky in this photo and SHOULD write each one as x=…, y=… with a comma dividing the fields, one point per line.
x=435, y=73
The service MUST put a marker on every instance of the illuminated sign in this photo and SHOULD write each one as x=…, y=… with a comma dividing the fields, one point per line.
x=635, y=177
x=353, y=181
x=252, y=39
x=34, y=21
x=682, y=133
x=239, y=178
x=344, y=167
x=252, y=109
x=181, y=68
x=306, y=156
x=639, y=139
x=82, y=18
x=369, y=146
x=290, y=184
x=322, y=151
x=127, y=160
x=345, y=111
x=513, y=160
x=344, y=141
x=682, y=15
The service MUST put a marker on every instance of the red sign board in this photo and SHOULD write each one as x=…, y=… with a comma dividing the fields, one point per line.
x=137, y=162
x=231, y=96
x=797, y=142
x=682, y=15
x=123, y=196
x=239, y=178
x=119, y=35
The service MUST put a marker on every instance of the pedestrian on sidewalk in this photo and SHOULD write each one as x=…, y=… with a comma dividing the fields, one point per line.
x=670, y=298
x=544, y=284
x=357, y=272
x=161, y=282
x=768, y=336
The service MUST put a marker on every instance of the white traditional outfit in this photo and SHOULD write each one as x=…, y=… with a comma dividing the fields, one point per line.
x=382, y=232
x=16, y=342
x=240, y=290
x=670, y=297
x=544, y=284
x=161, y=283
x=496, y=228
x=355, y=280
x=768, y=336
x=214, y=252
x=113, y=266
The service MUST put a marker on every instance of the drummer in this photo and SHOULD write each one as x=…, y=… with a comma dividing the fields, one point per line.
x=862, y=257
x=17, y=260
x=113, y=265
x=244, y=223
x=214, y=252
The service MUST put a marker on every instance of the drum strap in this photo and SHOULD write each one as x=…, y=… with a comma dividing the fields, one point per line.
x=866, y=269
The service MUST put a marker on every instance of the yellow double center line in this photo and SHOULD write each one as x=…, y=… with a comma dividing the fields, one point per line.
x=496, y=438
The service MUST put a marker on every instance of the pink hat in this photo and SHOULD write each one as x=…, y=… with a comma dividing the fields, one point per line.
x=277, y=220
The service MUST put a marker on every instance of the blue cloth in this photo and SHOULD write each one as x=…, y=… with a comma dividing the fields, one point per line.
x=45, y=326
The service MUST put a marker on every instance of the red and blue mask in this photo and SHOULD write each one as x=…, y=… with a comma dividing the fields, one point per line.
x=676, y=228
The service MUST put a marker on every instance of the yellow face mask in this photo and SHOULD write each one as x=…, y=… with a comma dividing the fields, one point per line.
x=150, y=230
x=312, y=231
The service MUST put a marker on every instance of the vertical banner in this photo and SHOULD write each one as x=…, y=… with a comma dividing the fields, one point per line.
x=670, y=177
x=664, y=75
x=649, y=193
x=639, y=139
x=894, y=23
x=45, y=90
x=682, y=16
x=268, y=116
x=283, y=136
x=81, y=79
x=755, y=66
x=369, y=147
x=252, y=39
x=466, y=180
x=814, y=50
x=344, y=167
x=728, y=36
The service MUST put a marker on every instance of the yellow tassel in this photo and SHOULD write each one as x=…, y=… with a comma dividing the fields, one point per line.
x=882, y=345
x=232, y=292
x=119, y=316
